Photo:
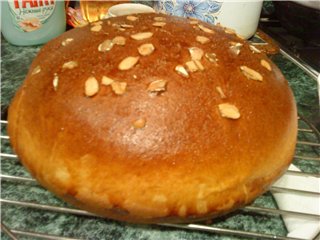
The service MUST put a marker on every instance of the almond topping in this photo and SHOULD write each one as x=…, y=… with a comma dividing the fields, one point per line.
x=142, y=35
x=241, y=37
x=182, y=71
x=119, y=40
x=96, y=28
x=115, y=25
x=83, y=24
x=235, y=47
x=126, y=26
x=105, y=46
x=159, y=19
x=254, y=49
x=106, y=81
x=36, y=70
x=55, y=81
x=132, y=18
x=229, y=30
x=199, y=65
x=119, y=88
x=146, y=49
x=128, y=63
x=212, y=57
x=66, y=41
x=265, y=64
x=196, y=53
x=205, y=29
x=193, y=22
x=159, y=24
x=250, y=73
x=70, y=65
x=196, y=27
x=202, y=39
x=97, y=23
x=228, y=110
x=157, y=86
x=221, y=93
x=191, y=66
x=140, y=123
x=91, y=87
x=192, y=18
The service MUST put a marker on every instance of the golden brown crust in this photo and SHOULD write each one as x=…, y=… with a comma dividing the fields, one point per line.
x=162, y=155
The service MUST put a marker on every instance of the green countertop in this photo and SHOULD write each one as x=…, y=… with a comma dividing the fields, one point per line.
x=14, y=65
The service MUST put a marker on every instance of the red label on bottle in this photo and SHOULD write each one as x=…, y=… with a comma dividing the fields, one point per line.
x=32, y=3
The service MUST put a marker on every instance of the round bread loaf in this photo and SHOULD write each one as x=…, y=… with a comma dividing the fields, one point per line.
x=151, y=118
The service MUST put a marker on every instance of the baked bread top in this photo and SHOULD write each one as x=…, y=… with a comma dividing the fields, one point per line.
x=150, y=118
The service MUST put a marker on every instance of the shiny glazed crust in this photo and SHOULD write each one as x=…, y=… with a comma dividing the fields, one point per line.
x=185, y=160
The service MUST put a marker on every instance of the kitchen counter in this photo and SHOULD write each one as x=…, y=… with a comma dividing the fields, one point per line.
x=14, y=66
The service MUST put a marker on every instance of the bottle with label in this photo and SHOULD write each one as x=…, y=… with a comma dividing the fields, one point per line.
x=32, y=22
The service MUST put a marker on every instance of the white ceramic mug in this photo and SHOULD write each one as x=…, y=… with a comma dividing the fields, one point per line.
x=242, y=16
x=128, y=8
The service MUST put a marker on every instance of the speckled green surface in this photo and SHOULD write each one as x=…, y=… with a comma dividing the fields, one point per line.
x=304, y=88
x=14, y=64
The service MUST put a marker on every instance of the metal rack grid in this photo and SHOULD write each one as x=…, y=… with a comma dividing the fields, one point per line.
x=308, y=137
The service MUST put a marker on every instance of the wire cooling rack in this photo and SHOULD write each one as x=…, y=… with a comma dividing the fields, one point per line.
x=307, y=157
